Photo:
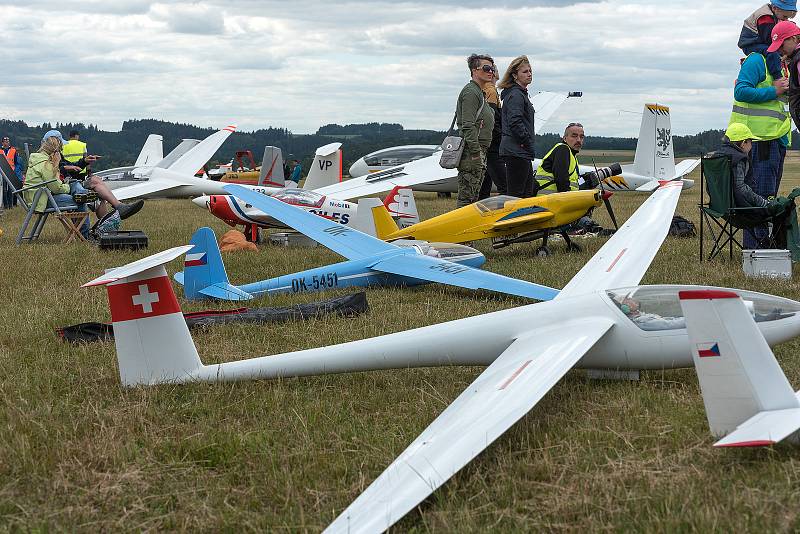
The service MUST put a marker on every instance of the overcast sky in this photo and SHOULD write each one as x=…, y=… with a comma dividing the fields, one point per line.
x=302, y=64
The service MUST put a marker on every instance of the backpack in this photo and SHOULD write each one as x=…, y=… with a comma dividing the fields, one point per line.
x=681, y=227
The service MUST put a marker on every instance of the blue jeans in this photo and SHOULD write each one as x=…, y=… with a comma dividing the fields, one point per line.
x=766, y=158
x=65, y=200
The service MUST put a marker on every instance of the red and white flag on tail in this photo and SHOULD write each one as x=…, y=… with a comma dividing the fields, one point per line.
x=142, y=299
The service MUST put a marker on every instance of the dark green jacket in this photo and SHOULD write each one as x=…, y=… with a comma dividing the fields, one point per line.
x=477, y=134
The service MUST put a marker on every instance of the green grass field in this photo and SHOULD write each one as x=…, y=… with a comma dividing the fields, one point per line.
x=81, y=453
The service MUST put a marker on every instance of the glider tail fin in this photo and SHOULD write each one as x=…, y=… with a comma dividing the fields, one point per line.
x=743, y=386
x=152, y=151
x=204, y=272
x=401, y=206
x=272, y=168
x=152, y=339
x=326, y=169
x=655, y=156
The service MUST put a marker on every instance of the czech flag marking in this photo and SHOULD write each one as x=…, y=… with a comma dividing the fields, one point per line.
x=708, y=350
x=198, y=258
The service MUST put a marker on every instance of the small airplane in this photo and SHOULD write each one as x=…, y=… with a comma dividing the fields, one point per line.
x=370, y=261
x=654, y=161
x=178, y=181
x=400, y=204
x=748, y=400
x=503, y=219
x=527, y=350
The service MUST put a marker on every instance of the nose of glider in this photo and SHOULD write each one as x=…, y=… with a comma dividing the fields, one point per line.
x=201, y=202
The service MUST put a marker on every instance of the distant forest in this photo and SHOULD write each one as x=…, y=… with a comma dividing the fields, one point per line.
x=121, y=148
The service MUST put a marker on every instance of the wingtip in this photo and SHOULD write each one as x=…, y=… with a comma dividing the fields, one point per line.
x=751, y=443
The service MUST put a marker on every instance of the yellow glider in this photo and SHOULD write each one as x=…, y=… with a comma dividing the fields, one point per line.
x=502, y=218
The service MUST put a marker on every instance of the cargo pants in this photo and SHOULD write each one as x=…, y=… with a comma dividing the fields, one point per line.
x=470, y=177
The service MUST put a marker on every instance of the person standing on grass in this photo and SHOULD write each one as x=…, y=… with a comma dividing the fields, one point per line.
x=757, y=106
x=516, y=145
x=475, y=122
x=11, y=154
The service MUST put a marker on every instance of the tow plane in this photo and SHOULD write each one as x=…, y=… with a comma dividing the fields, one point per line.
x=370, y=261
x=233, y=211
x=503, y=219
x=526, y=350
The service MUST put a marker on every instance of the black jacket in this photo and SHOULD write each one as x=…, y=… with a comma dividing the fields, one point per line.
x=497, y=131
x=743, y=194
x=517, y=123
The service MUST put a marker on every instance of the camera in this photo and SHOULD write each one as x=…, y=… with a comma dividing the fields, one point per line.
x=593, y=178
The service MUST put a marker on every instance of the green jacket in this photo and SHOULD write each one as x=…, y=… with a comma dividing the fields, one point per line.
x=41, y=170
x=477, y=133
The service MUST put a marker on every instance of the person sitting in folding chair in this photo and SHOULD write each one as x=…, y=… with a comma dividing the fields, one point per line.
x=736, y=144
x=43, y=167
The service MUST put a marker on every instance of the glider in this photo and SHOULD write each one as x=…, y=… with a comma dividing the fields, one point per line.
x=748, y=400
x=654, y=161
x=370, y=261
x=526, y=350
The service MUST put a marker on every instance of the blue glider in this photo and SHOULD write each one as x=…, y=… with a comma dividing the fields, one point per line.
x=370, y=261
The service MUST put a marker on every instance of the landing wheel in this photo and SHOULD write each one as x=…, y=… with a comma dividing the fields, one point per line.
x=542, y=252
x=574, y=247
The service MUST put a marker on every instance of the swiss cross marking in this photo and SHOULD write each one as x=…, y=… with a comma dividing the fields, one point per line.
x=145, y=299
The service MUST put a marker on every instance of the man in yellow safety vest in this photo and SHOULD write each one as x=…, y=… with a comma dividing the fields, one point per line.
x=559, y=168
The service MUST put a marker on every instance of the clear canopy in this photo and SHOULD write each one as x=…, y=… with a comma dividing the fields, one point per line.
x=300, y=197
x=446, y=251
x=493, y=203
x=658, y=307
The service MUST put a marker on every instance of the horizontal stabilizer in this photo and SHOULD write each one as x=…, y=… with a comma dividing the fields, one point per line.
x=649, y=187
x=685, y=167
x=764, y=428
x=138, y=266
x=224, y=291
x=454, y=274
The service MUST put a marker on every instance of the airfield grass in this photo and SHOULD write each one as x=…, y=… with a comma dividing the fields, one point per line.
x=79, y=452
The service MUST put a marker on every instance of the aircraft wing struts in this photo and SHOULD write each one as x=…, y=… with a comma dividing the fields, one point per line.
x=507, y=390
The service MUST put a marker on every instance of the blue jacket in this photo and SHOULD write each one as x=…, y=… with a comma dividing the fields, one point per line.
x=17, y=162
x=296, y=172
x=751, y=74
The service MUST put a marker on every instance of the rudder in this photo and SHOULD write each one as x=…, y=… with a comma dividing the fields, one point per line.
x=655, y=156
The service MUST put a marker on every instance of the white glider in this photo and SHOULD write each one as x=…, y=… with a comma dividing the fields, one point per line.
x=598, y=321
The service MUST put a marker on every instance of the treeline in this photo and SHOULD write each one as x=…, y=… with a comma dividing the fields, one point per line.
x=121, y=148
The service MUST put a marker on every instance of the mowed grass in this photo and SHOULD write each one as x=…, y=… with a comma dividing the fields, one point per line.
x=79, y=452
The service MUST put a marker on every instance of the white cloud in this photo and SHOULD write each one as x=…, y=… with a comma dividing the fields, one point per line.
x=303, y=64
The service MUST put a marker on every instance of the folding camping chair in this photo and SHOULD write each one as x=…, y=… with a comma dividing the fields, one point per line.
x=69, y=216
x=720, y=214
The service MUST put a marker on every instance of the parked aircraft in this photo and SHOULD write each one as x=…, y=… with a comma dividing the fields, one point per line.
x=527, y=351
x=503, y=219
x=150, y=157
x=178, y=181
x=370, y=261
x=386, y=158
x=270, y=173
x=654, y=160
x=399, y=202
x=749, y=402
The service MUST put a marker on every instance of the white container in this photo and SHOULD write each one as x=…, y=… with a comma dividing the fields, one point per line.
x=291, y=239
x=769, y=263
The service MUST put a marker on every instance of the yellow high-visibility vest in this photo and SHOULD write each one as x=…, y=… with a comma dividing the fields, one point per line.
x=73, y=151
x=542, y=176
x=767, y=120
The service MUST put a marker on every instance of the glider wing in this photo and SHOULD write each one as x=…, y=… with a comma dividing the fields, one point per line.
x=499, y=397
x=454, y=274
x=348, y=242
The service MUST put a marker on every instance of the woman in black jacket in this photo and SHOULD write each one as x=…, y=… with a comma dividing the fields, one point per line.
x=516, y=145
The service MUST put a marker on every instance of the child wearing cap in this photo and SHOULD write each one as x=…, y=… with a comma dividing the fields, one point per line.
x=756, y=35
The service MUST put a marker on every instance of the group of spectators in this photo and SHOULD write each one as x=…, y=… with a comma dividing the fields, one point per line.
x=498, y=133
x=64, y=166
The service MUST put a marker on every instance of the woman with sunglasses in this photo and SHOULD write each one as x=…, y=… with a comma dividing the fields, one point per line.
x=516, y=145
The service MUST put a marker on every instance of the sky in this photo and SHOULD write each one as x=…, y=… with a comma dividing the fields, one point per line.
x=301, y=64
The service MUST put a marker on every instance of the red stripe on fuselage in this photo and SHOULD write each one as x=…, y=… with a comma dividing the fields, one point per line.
x=613, y=263
x=515, y=375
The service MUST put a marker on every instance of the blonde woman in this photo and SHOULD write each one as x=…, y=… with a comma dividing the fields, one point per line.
x=43, y=167
x=516, y=145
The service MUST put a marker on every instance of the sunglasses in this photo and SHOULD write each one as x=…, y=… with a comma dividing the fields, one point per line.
x=488, y=68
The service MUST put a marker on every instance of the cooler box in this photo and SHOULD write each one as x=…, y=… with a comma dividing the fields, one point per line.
x=133, y=240
x=770, y=263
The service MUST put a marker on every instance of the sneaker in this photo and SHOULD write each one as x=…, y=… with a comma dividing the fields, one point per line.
x=126, y=210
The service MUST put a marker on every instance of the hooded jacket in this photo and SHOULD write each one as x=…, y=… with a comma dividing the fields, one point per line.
x=40, y=170
x=743, y=194
x=517, y=123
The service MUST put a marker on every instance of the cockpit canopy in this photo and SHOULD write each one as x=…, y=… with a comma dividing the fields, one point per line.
x=446, y=251
x=493, y=203
x=658, y=307
x=300, y=197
